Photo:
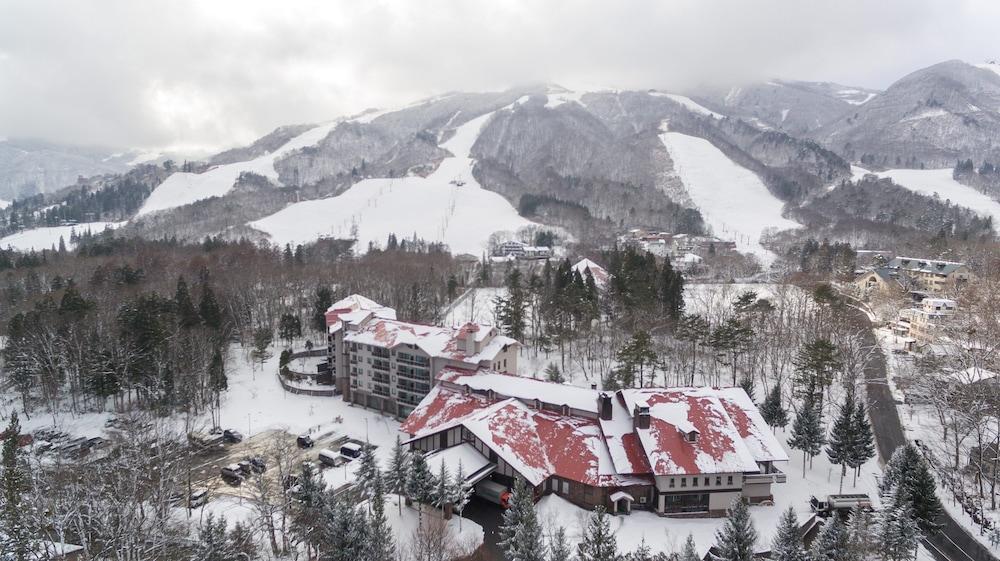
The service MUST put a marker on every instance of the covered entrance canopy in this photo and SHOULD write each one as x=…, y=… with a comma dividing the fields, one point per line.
x=621, y=502
x=475, y=466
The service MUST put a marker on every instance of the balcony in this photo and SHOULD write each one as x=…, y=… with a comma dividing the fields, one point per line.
x=381, y=378
x=414, y=374
x=413, y=360
x=774, y=477
x=380, y=390
x=381, y=365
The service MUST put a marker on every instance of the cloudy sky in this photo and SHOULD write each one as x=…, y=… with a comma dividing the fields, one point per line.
x=201, y=75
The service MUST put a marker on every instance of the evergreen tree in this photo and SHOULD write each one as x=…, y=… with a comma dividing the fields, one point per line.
x=208, y=308
x=17, y=524
x=187, y=315
x=380, y=544
x=736, y=539
x=459, y=493
x=641, y=553
x=864, y=441
x=242, y=544
x=442, y=487
x=841, y=445
x=511, y=310
x=772, y=411
x=746, y=382
x=559, y=548
x=368, y=472
x=831, y=544
x=860, y=530
x=289, y=327
x=599, y=543
x=398, y=475
x=816, y=365
x=321, y=303
x=634, y=359
x=787, y=543
x=807, y=433
x=419, y=483
x=908, y=470
x=689, y=552
x=898, y=531
x=553, y=374
x=520, y=532
x=344, y=531
x=212, y=542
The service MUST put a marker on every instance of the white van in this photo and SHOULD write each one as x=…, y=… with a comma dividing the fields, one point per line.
x=331, y=458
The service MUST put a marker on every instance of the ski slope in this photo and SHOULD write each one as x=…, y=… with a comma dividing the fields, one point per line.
x=448, y=206
x=4, y=204
x=689, y=103
x=184, y=188
x=734, y=202
x=939, y=182
x=47, y=238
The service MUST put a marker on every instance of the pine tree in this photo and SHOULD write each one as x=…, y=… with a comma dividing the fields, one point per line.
x=787, y=543
x=187, y=315
x=380, y=544
x=641, y=553
x=599, y=542
x=831, y=543
x=898, y=532
x=520, y=532
x=459, y=493
x=559, y=548
x=864, y=441
x=772, y=411
x=242, y=544
x=419, y=483
x=746, y=382
x=736, y=539
x=807, y=432
x=208, y=309
x=442, y=487
x=908, y=470
x=689, y=552
x=399, y=472
x=321, y=303
x=345, y=531
x=212, y=543
x=17, y=527
x=552, y=373
x=860, y=530
x=368, y=471
x=841, y=444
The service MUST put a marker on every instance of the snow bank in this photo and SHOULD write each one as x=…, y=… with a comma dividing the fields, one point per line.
x=46, y=238
x=184, y=188
x=939, y=182
x=448, y=206
x=734, y=202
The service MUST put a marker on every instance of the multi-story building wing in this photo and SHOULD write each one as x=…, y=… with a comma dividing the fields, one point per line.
x=342, y=317
x=929, y=274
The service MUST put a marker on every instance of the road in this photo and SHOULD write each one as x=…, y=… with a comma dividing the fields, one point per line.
x=953, y=542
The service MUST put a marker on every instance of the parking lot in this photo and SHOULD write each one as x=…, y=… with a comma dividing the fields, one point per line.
x=208, y=463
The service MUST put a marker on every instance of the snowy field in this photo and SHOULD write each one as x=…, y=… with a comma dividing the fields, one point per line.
x=4, y=204
x=449, y=206
x=475, y=306
x=184, y=188
x=714, y=300
x=689, y=103
x=47, y=238
x=734, y=202
x=939, y=182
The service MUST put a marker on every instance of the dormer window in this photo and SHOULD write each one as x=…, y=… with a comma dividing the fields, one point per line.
x=691, y=436
x=538, y=404
x=565, y=410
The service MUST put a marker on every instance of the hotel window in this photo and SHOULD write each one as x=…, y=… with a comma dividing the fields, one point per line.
x=684, y=482
x=718, y=480
x=706, y=482
x=565, y=487
x=694, y=481
x=729, y=480
x=671, y=483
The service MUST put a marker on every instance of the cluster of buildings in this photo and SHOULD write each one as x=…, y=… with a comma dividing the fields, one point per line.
x=683, y=249
x=680, y=451
x=520, y=250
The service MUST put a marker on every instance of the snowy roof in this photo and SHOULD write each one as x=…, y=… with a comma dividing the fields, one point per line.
x=599, y=273
x=924, y=265
x=353, y=310
x=538, y=442
x=520, y=387
x=442, y=342
x=466, y=454
x=973, y=375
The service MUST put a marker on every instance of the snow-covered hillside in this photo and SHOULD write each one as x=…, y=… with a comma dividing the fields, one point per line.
x=941, y=183
x=184, y=188
x=4, y=204
x=734, y=202
x=47, y=238
x=449, y=206
x=689, y=103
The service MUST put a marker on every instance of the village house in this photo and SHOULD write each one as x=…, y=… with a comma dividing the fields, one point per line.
x=674, y=451
x=600, y=274
x=929, y=274
x=924, y=324
x=381, y=363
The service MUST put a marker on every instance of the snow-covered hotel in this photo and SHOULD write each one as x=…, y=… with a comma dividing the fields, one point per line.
x=680, y=451
x=382, y=363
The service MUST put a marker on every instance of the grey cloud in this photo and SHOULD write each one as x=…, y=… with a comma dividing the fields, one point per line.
x=189, y=74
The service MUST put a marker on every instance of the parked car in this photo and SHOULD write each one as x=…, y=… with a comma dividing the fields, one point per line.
x=197, y=498
x=351, y=450
x=232, y=436
x=246, y=468
x=232, y=474
x=257, y=464
x=204, y=440
x=331, y=458
x=305, y=441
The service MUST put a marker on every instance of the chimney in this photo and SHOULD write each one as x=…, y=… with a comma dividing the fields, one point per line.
x=604, y=406
x=640, y=417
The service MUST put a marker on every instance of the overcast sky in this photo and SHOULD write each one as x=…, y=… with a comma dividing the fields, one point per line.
x=191, y=75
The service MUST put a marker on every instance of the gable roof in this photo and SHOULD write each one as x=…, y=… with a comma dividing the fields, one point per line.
x=353, y=310
x=599, y=273
x=933, y=266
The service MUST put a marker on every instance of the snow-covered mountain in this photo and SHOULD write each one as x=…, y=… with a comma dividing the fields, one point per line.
x=31, y=166
x=736, y=162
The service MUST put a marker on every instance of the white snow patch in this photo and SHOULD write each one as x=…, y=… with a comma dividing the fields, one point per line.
x=143, y=157
x=848, y=93
x=449, y=206
x=4, y=204
x=689, y=103
x=991, y=66
x=45, y=238
x=939, y=182
x=555, y=99
x=183, y=188
x=926, y=114
x=784, y=115
x=734, y=202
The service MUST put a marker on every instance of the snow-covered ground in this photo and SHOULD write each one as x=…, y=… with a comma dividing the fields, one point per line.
x=689, y=103
x=714, y=300
x=555, y=98
x=4, y=204
x=47, y=238
x=184, y=188
x=734, y=202
x=475, y=306
x=449, y=206
x=939, y=182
